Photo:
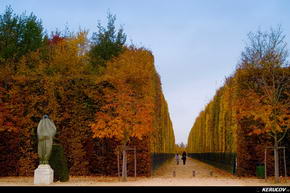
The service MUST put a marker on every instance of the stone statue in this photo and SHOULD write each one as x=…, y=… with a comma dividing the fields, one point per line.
x=45, y=133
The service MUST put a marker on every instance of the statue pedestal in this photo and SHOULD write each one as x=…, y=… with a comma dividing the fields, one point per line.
x=43, y=174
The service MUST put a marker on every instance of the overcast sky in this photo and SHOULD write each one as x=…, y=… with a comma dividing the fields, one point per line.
x=196, y=44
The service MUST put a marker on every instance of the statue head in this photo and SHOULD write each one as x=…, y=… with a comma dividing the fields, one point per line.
x=46, y=127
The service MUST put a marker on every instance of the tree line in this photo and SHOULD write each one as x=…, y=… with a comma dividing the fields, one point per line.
x=251, y=111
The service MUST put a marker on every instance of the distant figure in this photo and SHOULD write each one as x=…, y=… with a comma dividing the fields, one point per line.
x=177, y=159
x=184, y=157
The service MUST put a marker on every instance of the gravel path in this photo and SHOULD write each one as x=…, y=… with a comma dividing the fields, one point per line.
x=202, y=170
x=162, y=177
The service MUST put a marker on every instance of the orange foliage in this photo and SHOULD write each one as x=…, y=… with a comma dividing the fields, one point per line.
x=267, y=103
x=87, y=108
x=128, y=111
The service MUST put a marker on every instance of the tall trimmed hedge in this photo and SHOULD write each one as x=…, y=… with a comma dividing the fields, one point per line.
x=71, y=102
x=214, y=129
x=220, y=129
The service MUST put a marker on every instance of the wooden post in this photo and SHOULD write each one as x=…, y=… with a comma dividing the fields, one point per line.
x=135, y=162
x=276, y=159
x=285, y=164
x=118, y=161
x=193, y=173
x=174, y=173
x=124, y=165
x=211, y=173
x=265, y=163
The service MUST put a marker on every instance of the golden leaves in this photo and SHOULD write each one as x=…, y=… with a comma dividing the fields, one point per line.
x=262, y=97
x=129, y=107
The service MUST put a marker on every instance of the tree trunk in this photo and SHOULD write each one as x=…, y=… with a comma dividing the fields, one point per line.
x=124, y=166
x=276, y=158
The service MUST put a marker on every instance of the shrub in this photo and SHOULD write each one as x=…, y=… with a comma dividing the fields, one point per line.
x=58, y=163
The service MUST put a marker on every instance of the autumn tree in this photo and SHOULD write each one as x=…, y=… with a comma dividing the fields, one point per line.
x=128, y=112
x=263, y=78
x=106, y=43
x=60, y=55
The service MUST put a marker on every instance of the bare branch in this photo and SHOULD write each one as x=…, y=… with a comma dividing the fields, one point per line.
x=284, y=134
x=271, y=135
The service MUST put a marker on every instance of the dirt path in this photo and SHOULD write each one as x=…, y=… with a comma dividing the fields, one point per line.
x=201, y=169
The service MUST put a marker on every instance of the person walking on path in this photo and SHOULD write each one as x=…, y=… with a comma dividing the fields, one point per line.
x=177, y=159
x=184, y=157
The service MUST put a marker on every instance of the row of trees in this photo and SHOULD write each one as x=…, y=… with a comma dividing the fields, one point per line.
x=163, y=139
x=101, y=94
x=23, y=35
x=251, y=111
x=214, y=129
